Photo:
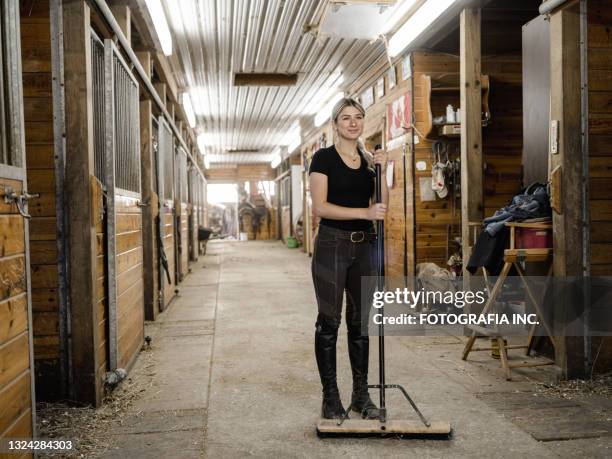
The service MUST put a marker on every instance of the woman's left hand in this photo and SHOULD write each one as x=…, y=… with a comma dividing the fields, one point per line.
x=380, y=157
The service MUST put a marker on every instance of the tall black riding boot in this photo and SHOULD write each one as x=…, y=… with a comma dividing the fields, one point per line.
x=359, y=351
x=325, y=350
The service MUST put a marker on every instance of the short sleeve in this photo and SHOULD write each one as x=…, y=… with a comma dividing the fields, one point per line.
x=319, y=163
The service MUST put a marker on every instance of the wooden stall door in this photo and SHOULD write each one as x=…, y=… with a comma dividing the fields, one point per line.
x=166, y=243
x=17, y=413
x=16, y=358
x=124, y=219
x=182, y=231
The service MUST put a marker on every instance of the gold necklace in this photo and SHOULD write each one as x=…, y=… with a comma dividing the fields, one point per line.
x=351, y=157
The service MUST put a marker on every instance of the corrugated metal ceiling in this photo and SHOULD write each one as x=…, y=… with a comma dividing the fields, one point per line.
x=213, y=39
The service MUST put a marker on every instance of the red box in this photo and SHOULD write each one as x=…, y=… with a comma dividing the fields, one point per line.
x=533, y=238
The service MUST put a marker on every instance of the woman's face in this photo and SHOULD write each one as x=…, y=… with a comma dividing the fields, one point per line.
x=350, y=123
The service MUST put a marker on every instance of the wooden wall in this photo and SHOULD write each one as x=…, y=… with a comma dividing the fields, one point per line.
x=167, y=221
x=130, y=299
x=101, y=276
x=600, y=155
x=439, y=221
x=38, y=116
x=240, y=173
x=436, y=222
x=600, y=135
x=15, y=371
x=503, y=137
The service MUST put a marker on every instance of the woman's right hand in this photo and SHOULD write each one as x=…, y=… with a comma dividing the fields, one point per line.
x=376, y=211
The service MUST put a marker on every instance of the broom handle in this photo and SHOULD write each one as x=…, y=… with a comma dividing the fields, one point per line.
x=380, y=256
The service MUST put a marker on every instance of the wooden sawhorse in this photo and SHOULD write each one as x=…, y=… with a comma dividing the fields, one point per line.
x=513, y=257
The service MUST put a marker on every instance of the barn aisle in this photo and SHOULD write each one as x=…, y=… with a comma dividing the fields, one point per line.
x=231, y=373
x=264, y=394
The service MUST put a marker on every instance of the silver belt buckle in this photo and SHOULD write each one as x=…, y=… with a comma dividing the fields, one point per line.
x=358, y=232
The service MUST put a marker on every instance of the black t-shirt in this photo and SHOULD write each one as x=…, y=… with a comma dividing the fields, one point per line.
x=346, y=187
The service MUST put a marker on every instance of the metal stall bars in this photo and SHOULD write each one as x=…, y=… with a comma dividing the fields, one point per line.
x=125, y=300
x=18, y=412
x=165, y=183
x=98, y=73
x=181, y=198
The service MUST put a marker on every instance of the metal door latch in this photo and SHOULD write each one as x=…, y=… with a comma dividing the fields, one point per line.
x=20, y=200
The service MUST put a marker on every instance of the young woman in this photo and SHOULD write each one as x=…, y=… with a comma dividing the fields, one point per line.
x=342, y=188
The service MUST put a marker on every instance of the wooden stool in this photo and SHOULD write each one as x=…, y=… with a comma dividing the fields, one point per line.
x=513, y=257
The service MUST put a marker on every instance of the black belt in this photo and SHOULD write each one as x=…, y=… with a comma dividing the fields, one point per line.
x=353, y=236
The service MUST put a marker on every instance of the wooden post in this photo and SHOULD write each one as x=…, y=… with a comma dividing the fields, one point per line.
x=161, y=92
x=567, y=225
x=145, y=60
x=87, y=384
x=123, y=17
x=148, y=219
x=471, y=128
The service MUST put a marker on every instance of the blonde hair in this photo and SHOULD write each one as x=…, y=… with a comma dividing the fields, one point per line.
x=351, y=102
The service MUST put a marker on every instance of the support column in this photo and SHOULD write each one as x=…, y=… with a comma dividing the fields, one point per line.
x=471, y=127
x=145, y=60
x=149, y=211
x=87, y=385
x=123, y=17
x=567, y=224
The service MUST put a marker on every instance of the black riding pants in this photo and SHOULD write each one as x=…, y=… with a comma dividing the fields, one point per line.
x=338, y=265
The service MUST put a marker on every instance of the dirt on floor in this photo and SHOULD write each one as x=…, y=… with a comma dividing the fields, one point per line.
x=600, y=385
x=90, y=428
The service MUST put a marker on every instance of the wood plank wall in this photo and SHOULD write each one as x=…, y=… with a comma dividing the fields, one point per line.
x=436, y=221
x=38, y=116
x=439, y=221
x=130, y=298
x=600, y=135
x=241, y=173
x=102, y=299
x=15, y=371
x=399, y=222
x=599, y=57
x=167, y=219
x=503, y=137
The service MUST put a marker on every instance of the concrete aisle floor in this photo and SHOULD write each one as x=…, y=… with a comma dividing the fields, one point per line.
x=234, y=375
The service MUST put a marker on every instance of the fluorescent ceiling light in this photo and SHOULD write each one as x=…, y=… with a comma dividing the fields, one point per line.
x=325, y=112
x=397, y=13
x=416, y=24
x=161, y=25
x=191, y=119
